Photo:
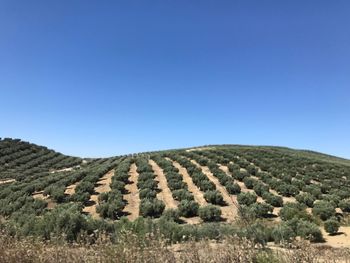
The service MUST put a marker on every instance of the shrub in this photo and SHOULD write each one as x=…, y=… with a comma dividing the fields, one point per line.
x=206, y=185
x=294, y=210
x=209, y=213
x=298, y=183
x=306, y=198
x=246, y=198
x=252, y=169
x=182, y=194
x=146, y=176
x=233, y=168
x=323, y=209
x=272, y=199
x=63, y=219
x=282, y=233
x=240, y=175
x=112, y=209
x=214, y=197
x=39, y=205
x=331, y=226
x=149, y=183
x=309, y=231
x=85, y=186
x=260, y=188
x=151, y=207
x=287, y=190
x=233, y=188
x=118, y=185
x=82, y=197
x=314, y=190
x=188, y=208
x=147, y=193
x=260, y=209
x=203, y=161
x=345, y=205
x=58, y=194
x=174, y=184
x=257, y=232
x=332, y=198
x=103, y=197
x=342, y=193
x=171, y=215
x=249, y=182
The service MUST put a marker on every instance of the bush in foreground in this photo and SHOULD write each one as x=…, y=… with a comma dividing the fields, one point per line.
x=151, y=207
x=209, y=213
x=132, y=248
x=214, y=197
x=246, y=199
x=323, y=209
x=345, y=205
x=261, y=209
x=306, y=198
x=188, y=208
x=171, y=215
x=283, y=233
x=294, y=210
x=272, y=199
x=331, y=226
x=309, y=231
x=233, y=188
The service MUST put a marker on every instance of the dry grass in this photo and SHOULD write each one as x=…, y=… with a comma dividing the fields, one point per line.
x=130, y=248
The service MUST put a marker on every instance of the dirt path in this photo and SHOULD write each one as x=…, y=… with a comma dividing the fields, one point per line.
x=198, y=194
x=7, y=181
x=230, y=211
x=103, y=186
x=165, y=193
x=70, y=190
x=225, y=169
x=200, y=149
x=132, y=198
x=64, y=170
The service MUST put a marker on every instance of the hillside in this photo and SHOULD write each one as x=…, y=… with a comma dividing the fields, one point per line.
x=187, y=186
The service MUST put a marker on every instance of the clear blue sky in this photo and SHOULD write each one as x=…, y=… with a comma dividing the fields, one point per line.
x=101, y=78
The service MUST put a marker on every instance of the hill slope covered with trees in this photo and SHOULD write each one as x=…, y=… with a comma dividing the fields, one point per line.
x=261, y=192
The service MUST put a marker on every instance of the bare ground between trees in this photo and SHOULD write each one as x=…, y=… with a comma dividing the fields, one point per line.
x=103, y=186
x=339, y=240
x=132, y=198
x=230, y=211
x=165, y=193
x=70, y=190
x=198, y=194
x=243, y=187
x=39, y=195
x=7, y=181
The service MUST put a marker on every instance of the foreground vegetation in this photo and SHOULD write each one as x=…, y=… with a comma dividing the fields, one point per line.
x=131, y=248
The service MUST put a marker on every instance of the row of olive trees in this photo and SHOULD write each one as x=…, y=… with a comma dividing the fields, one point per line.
x=179, y=189
x=111, y=204
x=148, y=188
